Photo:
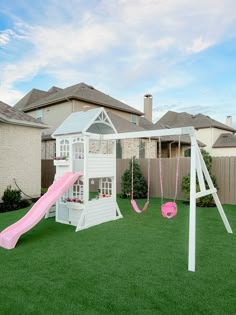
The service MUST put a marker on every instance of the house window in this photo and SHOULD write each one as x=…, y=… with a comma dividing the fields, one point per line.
x=187, y=153
x=40, y=114
x=142, y=150
x=134, y=119
x=54, y=150
x=118, y=149
x=64, y=148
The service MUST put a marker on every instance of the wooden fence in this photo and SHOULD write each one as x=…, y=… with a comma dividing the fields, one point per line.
x=168, y=175
x=48, y=171
x=224, y=168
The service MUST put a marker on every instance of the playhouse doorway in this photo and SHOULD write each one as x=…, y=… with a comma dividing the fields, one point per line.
x=78, y=154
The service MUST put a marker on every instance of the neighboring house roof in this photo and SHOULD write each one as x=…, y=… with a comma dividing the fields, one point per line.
x=146, y=124
x=81, y=92
x=199, y=121
x=11, y=115
x=123, y=125
x=225, y=140
x=33, y=96
x=184, y=139
x=95, y=120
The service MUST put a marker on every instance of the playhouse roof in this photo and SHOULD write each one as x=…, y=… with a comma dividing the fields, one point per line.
x=95, y=121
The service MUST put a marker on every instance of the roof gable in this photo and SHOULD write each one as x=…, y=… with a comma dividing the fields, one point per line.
x=94, y=121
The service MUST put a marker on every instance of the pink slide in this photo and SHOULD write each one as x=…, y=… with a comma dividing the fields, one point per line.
x=10, y=236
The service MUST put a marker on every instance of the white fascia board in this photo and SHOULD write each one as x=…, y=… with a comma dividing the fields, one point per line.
x=151, y=133
x=108, y=118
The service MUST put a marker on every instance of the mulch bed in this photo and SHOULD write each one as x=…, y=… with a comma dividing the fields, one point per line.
x=6, y=208
x=23, y=204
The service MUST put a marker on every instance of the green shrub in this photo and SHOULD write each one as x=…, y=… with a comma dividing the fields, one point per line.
x=43, y=190
x=205, y=201
x=11, y=197
x=140, y=183
x=24, y=203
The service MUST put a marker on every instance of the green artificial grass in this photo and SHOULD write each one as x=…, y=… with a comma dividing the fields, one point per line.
x=135, y=265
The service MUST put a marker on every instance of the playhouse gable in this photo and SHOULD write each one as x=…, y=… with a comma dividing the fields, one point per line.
x=93, y=121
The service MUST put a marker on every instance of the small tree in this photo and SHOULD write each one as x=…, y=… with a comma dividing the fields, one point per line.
x=205, y=201
x=139, y=182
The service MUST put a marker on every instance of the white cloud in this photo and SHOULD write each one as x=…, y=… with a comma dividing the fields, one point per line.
x=199, y=44
x=9, y=95
x=5, y=37
x=148, y=36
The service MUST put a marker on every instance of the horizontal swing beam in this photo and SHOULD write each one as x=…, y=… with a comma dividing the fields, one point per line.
x=150, y=133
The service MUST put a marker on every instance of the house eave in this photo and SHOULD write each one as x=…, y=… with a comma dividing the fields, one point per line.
x=23, y=123
x=28, y=109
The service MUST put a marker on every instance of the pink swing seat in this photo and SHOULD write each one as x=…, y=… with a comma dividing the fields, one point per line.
x=169, y=209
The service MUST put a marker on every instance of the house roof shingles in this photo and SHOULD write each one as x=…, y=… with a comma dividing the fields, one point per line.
x=225, y=140
x=199, y=121
x=33, y=96
x=11, y=115
x=123, y=125
x=81, y=92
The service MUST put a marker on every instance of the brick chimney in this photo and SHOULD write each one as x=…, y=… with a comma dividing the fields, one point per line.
x=148, y=107
x=228, y=121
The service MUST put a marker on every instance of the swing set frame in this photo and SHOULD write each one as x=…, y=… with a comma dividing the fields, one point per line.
x=198, y=170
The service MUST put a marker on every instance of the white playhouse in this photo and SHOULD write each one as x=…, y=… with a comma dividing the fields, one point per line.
x=80, y=147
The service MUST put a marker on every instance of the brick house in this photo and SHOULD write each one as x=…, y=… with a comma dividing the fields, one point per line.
x=20, y=138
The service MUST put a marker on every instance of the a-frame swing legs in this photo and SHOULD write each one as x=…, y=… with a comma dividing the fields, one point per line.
x=213, y=191
x=198, y=167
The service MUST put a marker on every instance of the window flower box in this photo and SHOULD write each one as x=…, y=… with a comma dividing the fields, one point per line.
x=61, y=162
x=74, y=205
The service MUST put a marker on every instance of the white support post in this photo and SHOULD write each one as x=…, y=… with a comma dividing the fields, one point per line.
x=86, y=179
x=214, y=193
x=200, y=174
x=192, y=210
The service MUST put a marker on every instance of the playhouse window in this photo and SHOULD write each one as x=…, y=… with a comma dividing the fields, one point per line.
x=64, y=147
x=78, y=151
x=106, y=186
x=78, y=190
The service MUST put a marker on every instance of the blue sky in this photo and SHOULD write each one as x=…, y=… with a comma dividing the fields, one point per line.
x=181, y=51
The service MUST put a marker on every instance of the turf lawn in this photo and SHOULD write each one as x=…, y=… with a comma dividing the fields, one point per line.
x=136, y=265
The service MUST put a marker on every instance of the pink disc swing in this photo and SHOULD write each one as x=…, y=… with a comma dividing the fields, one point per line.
x=169, y=209
x=133, y=202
